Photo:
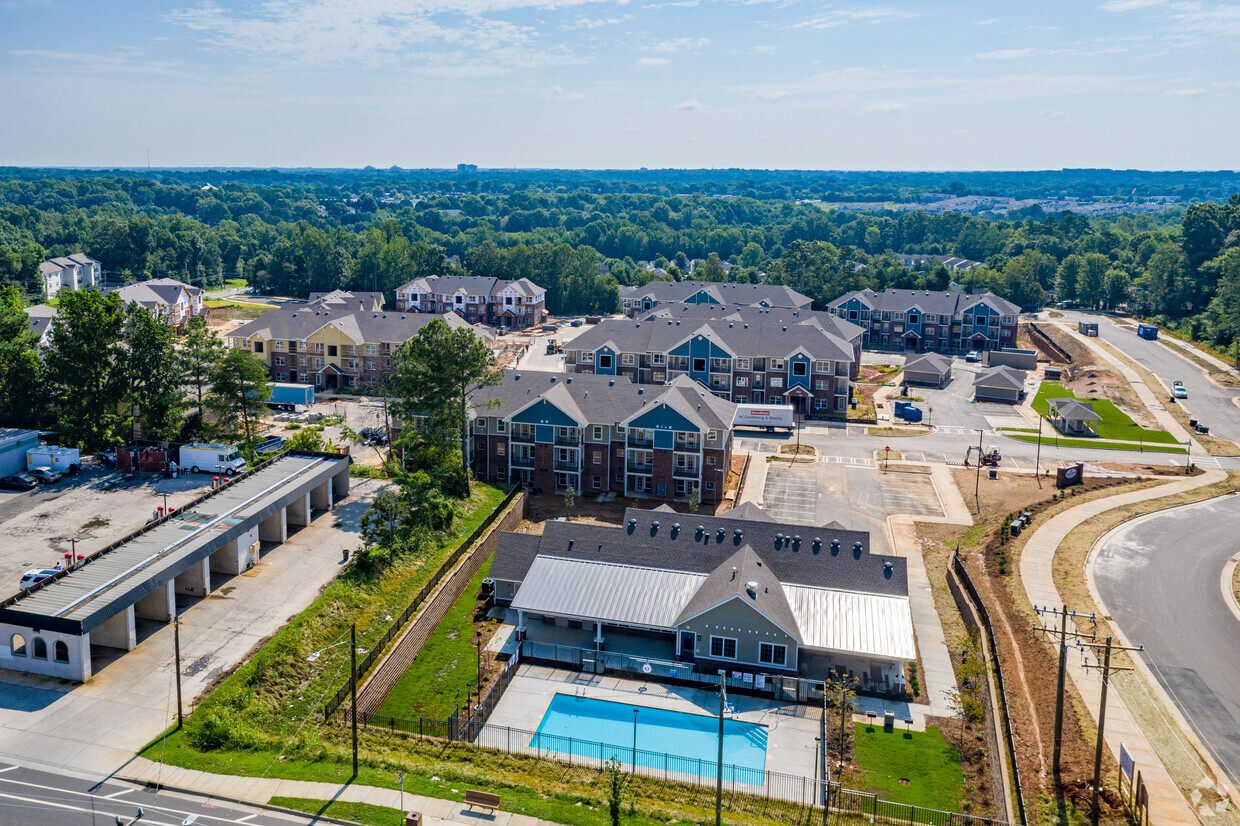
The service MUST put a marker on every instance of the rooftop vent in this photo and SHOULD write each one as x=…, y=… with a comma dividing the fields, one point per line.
x=737, y=533
x=641, y=391
x=779, y=537
x=701, y=529
x=721, y=532
x=675, y=526
x=887, y=569
x=632, y=521
x=857, y=549
x=817, y=542
x=611, y=383
x=516, y=377
x=570, y=544
x=752, y=586
x=654, y=526
x=553, y=379
x=796, y=539
x=568, y=380
x=733, y=572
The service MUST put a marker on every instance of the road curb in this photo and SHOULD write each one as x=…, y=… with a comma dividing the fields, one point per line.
x=164, y=787
x=1229, y=595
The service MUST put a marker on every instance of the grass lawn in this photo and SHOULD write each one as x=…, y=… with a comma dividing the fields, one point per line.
x=1094, y=443
x=233, y=310
x=1115, y=424
x=357, y=812
x=936, y=780
x=445, y=664
x=235, y=283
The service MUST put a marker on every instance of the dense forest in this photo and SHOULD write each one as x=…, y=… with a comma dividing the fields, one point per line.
x=293, y=232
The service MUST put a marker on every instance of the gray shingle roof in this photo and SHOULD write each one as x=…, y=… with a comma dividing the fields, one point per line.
x=942, y=302
x=685, y=549
x=757, y=315
x=297, y=323
x=741, y=339
x=745, y=295
x=471, y=285
x=731, y=580
x=1074, y=410
x=1000, y=378
x=934, y=363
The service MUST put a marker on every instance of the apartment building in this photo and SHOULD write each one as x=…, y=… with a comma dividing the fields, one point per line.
x=639, y=300
x=166, y=298
x=477, y=299
x=750, y=358
x=341, y=340
x=949, y=321
x=599, y=433
x=72, y=272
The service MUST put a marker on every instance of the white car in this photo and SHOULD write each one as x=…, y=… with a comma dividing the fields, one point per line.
x=1179, y=391
x=33, y=578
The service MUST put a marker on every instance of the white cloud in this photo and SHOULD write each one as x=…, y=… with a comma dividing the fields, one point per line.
x=681, y=44
x=687, y=106
x=647, y=62
x=838, y=17
x=886, y=106
x=558, y=94
x=684, y=4
x=1056, y=115
x=1129, y=5
x=1195, y=17
x=768, y=49
x=770, y=94
x=597, y=23
x=1012, y=54
x=1183, y=93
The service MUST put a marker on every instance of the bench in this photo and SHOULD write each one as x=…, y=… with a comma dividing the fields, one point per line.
x=483, y=800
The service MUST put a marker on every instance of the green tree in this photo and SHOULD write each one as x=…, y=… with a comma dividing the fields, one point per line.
x=617, y=789
x=1091, y=287
x=22, y=400
x=570, y=497
x=239, y=387
x=201, y=351
x=1068, y=278
x=1116, y=285
x=695, y=499
x=85, y=368
x=153, y=374
x=434, y=374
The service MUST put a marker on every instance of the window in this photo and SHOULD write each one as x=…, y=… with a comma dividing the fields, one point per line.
x=912, y=318
x=279, y=345
x=742, y=364
x=712, y=435
x=370, y=364
x=822, y=404
x=619, y=478
x=626, y=358
x=723, y=648
x=279, y=361
x=586, y=357
x=371, y=350
x=331, y=349
x=40, y=648
x=822, y=367
x=777, y=364
x=597, y=456
x=596, y=483
x=60, y=652
x=500, y=449
x=480, y=424
x=500, y=425
x=799, y=368
x=775, y=400
x=659, y=375
x=604, y=361
x=699, y=365
x=710, y=486
x=777, y=381
x=318, y=363
x=658, y=358
x=258, y=347
x=740, y=398
x=710, y=460
x=772, y=653
x=742, y=381
x=822, y=384
x=17, y=645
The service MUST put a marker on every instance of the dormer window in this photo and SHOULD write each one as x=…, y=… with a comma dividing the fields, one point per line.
x=912, y=317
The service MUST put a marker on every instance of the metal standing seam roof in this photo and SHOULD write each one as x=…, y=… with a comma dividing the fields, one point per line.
x=606, y=591
x=852, y=622
x=89, y=595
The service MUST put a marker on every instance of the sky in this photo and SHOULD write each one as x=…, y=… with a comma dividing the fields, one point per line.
x=788, y=84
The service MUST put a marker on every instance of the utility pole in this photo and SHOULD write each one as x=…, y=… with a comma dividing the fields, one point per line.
x=1063, y=615
x=1037, y=462
x=1106, y=670
x=977, y=486
x=826, y=780
x=176, y=645
x=353, y=690
x=723, y=704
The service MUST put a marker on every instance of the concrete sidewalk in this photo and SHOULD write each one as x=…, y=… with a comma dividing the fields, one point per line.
x=1168, y=806
x=259, y=790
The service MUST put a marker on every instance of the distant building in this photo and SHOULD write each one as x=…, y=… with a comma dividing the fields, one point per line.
x=946, y=321
x=166, y=298
x=467, y=167
x=41, y=317
x=73, y=272
x=952, y=263
x=477, y=299
x=638, y=300
x=338, y=340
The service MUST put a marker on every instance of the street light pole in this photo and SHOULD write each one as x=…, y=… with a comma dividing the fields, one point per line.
x=1037, y=462
x=977, y=486
x=176, y=644
x=723, y=703
x=353, y=690
x=633, y=764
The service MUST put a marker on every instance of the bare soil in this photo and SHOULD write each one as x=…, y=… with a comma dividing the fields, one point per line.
x=1148, y=470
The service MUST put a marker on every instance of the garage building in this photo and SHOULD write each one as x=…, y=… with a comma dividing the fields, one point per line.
x=998, y=384
x=928, y=368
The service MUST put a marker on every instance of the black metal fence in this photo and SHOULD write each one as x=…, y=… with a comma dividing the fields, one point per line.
x=1009, y=739
x=375, y=654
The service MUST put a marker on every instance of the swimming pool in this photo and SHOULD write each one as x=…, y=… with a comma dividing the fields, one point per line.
x=672, y=741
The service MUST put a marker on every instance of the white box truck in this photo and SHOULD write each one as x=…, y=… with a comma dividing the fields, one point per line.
x=61, y=459
x=203, y=458
x=768, y=416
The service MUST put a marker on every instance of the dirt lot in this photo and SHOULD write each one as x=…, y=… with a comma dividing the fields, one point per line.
x=1029, y=663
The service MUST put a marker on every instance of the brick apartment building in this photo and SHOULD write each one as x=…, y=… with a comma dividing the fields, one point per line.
x=749, y=355
x=949, y=321
x=478, y=299
x=723, y=295
x=602, y=433
x=336, y=340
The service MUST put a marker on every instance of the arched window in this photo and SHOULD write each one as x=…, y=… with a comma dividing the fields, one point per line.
x=60, y=652
x=17, y=645
x=40, y=648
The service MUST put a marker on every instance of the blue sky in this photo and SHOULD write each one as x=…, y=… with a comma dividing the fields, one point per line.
x=1147, y=84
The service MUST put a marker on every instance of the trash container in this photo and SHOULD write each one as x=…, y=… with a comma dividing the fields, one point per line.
x=1192, y=423
x=413, y=819
x=994, y=473
x=1202, y=429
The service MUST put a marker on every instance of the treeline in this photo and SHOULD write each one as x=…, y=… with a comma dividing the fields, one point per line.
x=110, y=373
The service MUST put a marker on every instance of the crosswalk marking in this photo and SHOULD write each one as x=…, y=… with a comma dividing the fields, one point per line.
x=847, y=460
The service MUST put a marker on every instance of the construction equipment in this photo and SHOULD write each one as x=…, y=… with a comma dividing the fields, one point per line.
x=989, y=458
x=553, y=346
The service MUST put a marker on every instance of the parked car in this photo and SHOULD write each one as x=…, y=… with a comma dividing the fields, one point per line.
x=973, y=355
x=19, y=481
x=1179, y=391
x=33, y=578
x=576, y=323
x=45, y=475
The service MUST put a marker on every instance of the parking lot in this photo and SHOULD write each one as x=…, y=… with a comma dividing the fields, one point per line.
x=82, y=513
x=952, y=405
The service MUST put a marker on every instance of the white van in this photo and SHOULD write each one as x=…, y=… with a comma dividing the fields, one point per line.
x=204, y=458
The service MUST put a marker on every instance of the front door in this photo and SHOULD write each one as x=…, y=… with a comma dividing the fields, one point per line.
x=687, y=640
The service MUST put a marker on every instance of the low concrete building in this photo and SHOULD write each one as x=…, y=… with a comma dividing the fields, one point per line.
x=51, y=628
x=999, y=384
x=1073, y=417
x=930, y=369
x=715, y=592
x=1012, y=357
x=14, y=443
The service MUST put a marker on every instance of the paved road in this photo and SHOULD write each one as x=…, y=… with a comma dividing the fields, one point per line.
x=1160, y=579
x=35, y=798
x=1206, y=401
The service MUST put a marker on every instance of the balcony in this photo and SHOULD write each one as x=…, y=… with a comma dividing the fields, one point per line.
x=685, y=472
x=568, y=464
x=522, y=435
x=520, y=460
x=640, y=441
x=570, y=441
x=688, y=444
x=639, y=467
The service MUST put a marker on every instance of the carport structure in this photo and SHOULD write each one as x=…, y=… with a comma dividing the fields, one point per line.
x=50, y=628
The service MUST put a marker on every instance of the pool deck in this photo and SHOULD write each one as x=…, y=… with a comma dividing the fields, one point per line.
x=792, y=729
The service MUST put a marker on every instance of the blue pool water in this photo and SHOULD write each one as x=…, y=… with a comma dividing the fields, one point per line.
x=666, y=740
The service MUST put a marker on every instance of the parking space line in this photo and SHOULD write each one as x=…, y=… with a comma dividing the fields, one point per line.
x=7, y=769
x=115, y=795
